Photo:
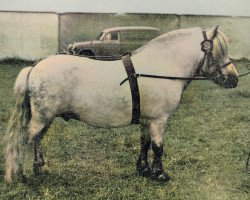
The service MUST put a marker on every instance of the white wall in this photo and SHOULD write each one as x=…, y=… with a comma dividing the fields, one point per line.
x=29, y=36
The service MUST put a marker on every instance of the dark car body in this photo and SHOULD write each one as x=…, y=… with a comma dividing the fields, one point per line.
x=115, y=41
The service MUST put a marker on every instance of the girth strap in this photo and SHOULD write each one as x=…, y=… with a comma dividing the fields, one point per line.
x=127, y=62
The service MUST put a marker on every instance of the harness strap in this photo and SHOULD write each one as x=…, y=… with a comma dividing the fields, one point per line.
x=165, y=77
x=129, y=67
x=204, y=35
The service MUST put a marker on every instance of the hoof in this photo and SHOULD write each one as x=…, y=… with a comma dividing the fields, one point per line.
x=21, y=179
x=37, y=169
x=160, y=176
x=144, y=171
x=143, y=167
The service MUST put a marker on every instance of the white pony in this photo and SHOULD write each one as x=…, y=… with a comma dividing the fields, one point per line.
x=89, y=90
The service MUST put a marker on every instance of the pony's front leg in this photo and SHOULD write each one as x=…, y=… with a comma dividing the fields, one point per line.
x=157, y=129
x=142, y=162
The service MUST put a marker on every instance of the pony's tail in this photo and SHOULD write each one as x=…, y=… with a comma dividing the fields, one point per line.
x=17, y=134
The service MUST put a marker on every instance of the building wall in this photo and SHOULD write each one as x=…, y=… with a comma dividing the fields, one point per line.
x=29, y=36
x=32, y=36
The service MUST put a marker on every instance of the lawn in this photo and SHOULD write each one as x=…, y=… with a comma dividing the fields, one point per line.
x=207, y=142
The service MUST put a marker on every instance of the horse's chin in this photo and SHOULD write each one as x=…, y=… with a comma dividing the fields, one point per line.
x=229, y=81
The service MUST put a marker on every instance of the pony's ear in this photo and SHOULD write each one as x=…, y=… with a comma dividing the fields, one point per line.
x=215, y=31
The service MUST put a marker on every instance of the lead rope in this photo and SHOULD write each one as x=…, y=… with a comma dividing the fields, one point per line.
x=248, y=68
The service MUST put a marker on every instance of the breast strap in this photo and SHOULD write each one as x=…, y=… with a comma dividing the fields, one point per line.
x=129, y=67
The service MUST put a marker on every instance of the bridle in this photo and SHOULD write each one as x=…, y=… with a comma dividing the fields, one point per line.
x=207, y=46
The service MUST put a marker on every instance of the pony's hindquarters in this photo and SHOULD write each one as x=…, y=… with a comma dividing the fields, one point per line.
x=16, y=134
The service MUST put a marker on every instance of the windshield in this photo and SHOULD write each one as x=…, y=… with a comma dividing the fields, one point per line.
x=100, y=35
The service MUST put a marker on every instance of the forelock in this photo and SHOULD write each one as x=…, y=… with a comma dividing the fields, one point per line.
x=220, y=45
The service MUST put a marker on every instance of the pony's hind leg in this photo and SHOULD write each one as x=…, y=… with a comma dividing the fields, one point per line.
x=37, y=130
x=142, y=162
x=157, y=129
x=38, y=157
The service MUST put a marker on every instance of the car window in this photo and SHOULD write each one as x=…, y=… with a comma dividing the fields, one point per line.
x=113, y=36
x=138, y=35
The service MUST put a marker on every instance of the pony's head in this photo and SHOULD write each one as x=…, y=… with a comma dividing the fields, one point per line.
x=217, y=65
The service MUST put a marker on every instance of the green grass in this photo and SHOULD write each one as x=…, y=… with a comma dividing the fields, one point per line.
x=206, y=146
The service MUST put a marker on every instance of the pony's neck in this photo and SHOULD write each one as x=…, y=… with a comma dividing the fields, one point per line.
x=177, y=53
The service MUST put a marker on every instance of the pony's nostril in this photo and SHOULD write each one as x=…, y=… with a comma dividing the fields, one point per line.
x=231, y=81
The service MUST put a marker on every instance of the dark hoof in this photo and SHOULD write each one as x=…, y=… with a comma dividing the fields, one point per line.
x=160, y=176
x=144, y=171
x=21, y=179
x=143, y=167
x=37, y=169
x=24, y=179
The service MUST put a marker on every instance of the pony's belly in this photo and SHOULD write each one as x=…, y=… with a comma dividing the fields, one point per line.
x=104, y=111
x=106, y=119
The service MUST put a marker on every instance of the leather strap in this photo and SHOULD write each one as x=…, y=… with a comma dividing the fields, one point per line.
x=129, y=67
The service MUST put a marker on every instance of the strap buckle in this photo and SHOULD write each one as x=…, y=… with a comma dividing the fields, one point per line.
x=207, y=46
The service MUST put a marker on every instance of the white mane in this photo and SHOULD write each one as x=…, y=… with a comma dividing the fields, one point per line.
x=167, y=38
x=220, y=41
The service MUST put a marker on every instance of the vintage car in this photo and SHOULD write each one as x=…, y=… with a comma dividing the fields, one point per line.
x=113, y=42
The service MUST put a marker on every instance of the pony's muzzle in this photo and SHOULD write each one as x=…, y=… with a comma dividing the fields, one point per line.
x=231, y=81
x=228, y=81
x=229, y=77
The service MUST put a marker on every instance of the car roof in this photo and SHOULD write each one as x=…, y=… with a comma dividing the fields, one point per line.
x=128, y=28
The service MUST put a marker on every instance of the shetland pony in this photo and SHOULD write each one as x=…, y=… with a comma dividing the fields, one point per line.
x=89, y=90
